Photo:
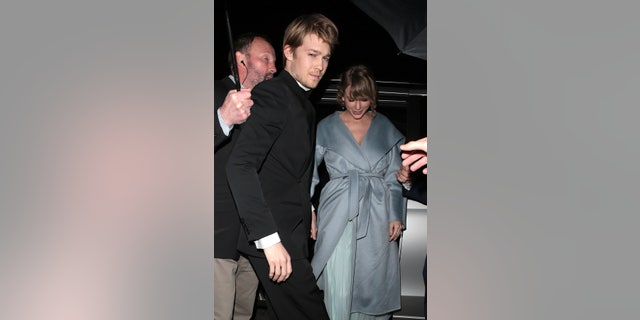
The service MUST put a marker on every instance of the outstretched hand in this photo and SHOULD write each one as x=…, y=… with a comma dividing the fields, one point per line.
x=414, y=154
x=415, y=145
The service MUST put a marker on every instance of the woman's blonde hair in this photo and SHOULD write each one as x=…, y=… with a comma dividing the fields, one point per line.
x=361, y=83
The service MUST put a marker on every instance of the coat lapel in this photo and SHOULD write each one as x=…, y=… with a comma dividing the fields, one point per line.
x=380, y=139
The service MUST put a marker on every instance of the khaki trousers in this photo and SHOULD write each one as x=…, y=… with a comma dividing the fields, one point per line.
x=234, y=289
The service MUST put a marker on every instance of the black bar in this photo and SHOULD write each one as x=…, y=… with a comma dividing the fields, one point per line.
x=234, y=62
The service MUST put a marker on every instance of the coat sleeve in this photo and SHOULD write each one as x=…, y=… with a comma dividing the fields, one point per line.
x=251, y=148
x=318, y=159
x=418, y=191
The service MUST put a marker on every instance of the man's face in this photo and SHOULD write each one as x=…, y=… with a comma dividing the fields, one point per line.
x=260, y=63
x=308, y=62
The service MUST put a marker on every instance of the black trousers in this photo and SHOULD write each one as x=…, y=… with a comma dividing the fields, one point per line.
x=424, y=277
x=296, y=298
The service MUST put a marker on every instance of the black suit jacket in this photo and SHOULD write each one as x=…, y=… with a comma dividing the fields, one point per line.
x=418, y=191
x=226, y=219
x=271, y=164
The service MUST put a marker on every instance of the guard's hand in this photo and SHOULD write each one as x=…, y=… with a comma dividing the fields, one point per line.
x=279, y=262
x=414, y=154
x=415, y=160
x=415, y=145
x=395, y=230
x=236, y=107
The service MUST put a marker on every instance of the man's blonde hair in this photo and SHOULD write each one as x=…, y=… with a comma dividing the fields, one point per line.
x=303, y=25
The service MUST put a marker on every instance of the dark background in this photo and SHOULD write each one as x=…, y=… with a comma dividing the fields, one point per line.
x=402, y=79
x=362, y=40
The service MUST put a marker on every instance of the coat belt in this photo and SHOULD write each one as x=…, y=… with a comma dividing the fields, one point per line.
x=355, y=212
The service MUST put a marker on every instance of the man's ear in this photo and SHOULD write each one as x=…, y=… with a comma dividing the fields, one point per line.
x=239, y=56
x=288, y=52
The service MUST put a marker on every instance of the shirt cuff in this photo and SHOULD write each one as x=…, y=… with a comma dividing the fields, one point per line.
x=267, y=241
x=225, y=128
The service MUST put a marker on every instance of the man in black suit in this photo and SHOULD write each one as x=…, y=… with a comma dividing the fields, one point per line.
x=270, y=170
x=235, y=282
x=255, y=57
x=414, y=155
x=414, y=187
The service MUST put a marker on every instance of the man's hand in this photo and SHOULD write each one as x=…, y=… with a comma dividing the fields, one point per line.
x=236, y=107
x=414, y=154
x=415, y=161
x=415, y=145
x=314, y=225
x=279, y=262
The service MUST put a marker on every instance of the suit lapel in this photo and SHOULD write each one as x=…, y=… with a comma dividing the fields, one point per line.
x=307, y=107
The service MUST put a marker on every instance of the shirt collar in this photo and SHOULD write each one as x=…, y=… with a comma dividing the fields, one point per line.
x=234, y=81
x=303, y=87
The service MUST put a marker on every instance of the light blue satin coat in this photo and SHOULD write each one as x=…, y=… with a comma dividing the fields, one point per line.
x=363, y=187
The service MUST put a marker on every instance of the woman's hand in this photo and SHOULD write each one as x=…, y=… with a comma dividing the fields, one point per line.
x=395, y=230
x=314, y=226
x=403, y=174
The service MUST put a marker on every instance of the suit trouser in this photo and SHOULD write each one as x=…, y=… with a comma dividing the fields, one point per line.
x=424, y=277
x=234, y=290
x=296, y=298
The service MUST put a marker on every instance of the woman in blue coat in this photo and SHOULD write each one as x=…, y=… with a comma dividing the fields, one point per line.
x=362, y=212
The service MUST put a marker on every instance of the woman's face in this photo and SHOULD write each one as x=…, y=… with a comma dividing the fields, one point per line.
x=356, y=107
